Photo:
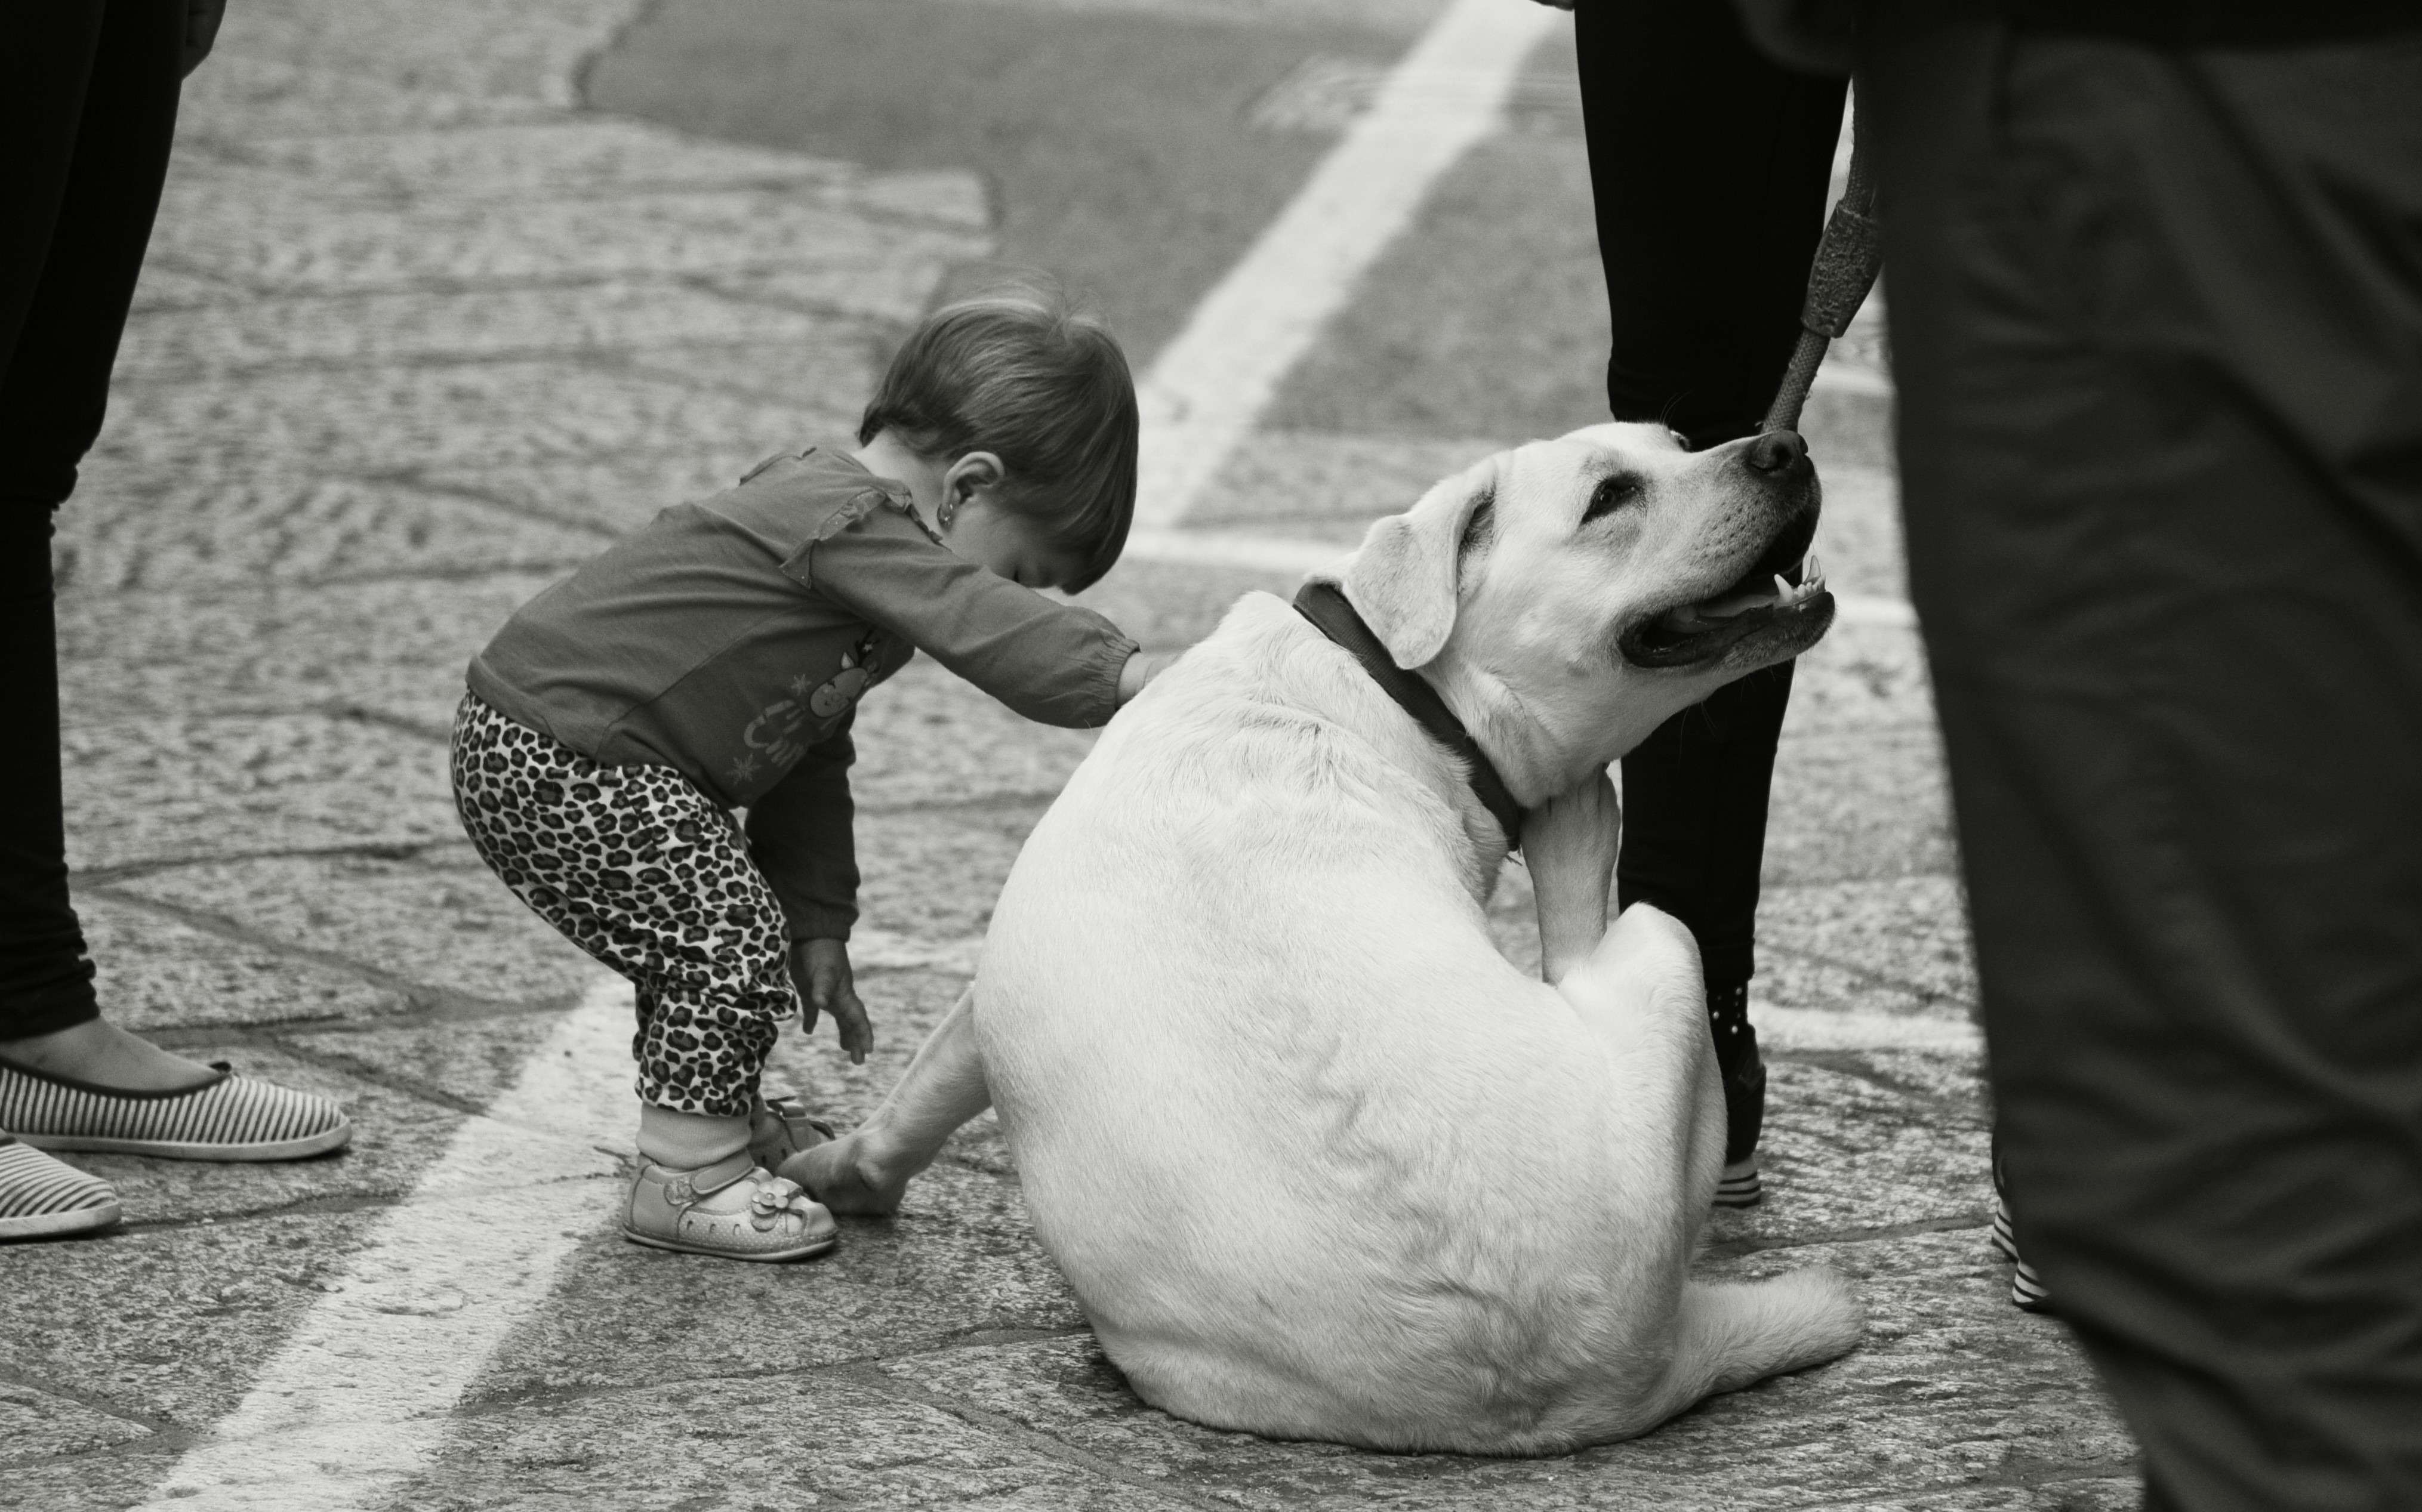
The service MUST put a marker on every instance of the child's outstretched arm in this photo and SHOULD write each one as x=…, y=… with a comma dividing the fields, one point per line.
x=1052, y=662
x=799, y=835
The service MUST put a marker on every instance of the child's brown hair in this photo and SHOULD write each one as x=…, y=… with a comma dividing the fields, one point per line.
x=1041, y=387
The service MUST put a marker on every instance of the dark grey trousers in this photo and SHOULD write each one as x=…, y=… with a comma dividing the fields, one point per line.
x=2157, y=320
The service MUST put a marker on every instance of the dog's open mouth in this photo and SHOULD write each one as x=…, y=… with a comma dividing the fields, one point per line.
x=1692, y=633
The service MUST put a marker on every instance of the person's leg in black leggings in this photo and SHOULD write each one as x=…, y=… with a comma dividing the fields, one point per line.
x=88, y=103
x=1709, y=165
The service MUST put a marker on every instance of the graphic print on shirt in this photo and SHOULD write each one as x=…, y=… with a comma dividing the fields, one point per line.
x=840, y=691
x=772, y=731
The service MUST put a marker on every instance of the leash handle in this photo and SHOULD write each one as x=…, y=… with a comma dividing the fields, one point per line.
x=1848, y=261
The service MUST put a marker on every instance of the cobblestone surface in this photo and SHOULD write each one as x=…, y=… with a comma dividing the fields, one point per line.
x=419, y=333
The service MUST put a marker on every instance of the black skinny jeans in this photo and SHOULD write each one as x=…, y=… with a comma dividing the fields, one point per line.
x=87, y=107
x=1709, y=166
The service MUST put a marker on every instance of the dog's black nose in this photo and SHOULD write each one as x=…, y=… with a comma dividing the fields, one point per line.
x=1777, y=451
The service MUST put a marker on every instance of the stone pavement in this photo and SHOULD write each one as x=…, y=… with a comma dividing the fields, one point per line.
x=417, y=336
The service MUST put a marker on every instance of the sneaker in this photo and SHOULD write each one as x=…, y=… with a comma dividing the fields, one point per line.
x=1744, y=1083
x=734, y=1209
x=2027, y=1290
x=43, y=1198
x=230, y=1117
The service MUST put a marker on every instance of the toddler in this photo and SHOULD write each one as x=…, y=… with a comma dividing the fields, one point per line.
x=714, y=660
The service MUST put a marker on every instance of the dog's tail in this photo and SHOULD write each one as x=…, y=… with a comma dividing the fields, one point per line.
x=1731, y=1334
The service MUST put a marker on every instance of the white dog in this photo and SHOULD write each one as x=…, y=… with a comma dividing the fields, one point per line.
x=1318, y=1162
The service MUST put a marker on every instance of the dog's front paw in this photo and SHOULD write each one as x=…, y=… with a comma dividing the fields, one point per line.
x=838, y=1175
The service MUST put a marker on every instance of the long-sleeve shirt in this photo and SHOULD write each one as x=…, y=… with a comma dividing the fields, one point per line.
x=732, y=638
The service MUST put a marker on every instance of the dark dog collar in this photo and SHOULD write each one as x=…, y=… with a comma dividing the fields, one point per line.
x=1325, y=605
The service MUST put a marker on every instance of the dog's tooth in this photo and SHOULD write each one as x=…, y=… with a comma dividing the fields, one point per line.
x=1783, y=592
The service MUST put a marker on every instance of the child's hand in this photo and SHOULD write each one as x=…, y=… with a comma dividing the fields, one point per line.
x=821, y=968
x=1141, y=668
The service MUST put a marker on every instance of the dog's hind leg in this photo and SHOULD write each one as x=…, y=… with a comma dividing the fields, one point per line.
x=1729, y=1335
x=868, y=1169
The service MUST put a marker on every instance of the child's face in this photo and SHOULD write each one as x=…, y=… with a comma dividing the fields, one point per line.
x=986, y=532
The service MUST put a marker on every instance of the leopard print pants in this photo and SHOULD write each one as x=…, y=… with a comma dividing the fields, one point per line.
x=645, y=872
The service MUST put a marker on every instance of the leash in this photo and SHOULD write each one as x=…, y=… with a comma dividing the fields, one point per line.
x=1846, y=262
x=1326, y=605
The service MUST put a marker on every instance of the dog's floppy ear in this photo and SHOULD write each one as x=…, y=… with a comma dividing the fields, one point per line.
x=1403, y=580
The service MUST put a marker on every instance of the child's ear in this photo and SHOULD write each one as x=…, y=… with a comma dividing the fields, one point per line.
x=971, y=474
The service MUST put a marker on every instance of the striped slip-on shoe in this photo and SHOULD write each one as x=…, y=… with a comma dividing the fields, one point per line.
x=2003, y=1239
x=43, y=1198
x=228, y=1117
x=2027, y=1290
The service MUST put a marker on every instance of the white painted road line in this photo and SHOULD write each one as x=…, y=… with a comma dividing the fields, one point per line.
x=874, y=949
x=1219, y=372
x=1835, y=377
x=1222, y=548
x=1780, y=1028
x=1295, y=556
x=1863, y=609
x=356, y=1400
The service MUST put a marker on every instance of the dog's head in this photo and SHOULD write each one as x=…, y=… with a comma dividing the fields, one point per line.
x=1568, y=597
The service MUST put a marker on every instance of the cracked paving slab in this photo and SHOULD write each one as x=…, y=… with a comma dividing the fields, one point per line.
x=174, y=539
x=285, y=649
x=158, y=974
x=270, y=782
x=436, y=919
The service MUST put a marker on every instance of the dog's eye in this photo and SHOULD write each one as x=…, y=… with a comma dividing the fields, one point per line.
x=1611, y=494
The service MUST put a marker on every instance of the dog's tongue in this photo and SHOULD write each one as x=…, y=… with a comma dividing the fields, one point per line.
x=1730, y=605
x=1740, y=601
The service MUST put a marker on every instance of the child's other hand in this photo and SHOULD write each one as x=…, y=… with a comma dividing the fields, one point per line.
x=1141, y=668
x=821, y=968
